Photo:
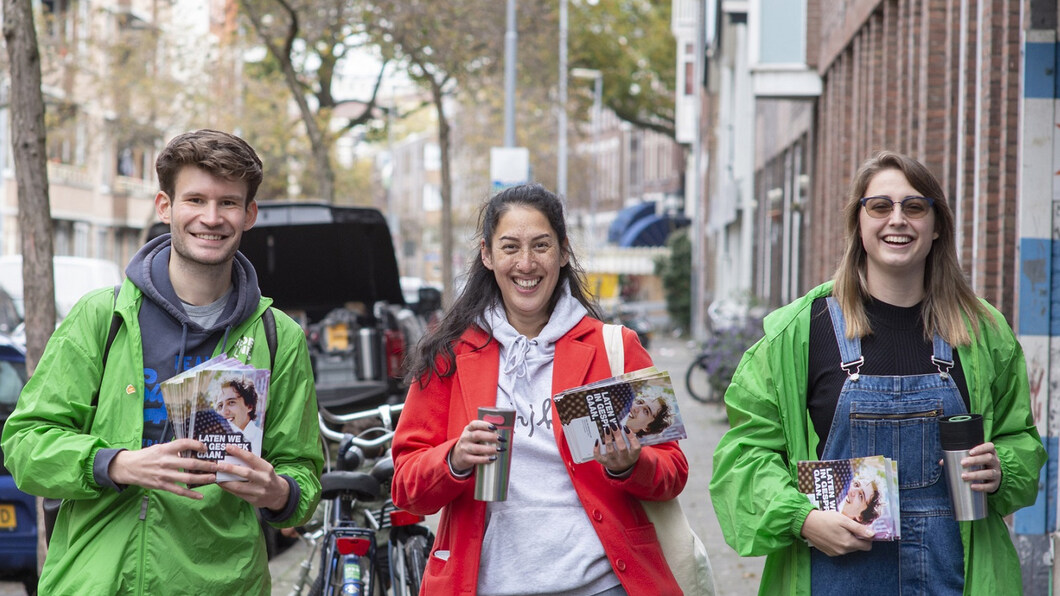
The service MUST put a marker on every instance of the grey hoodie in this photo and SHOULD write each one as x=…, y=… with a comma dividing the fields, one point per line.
x=542, y=530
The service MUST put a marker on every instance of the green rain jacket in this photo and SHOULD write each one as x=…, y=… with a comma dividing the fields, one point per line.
x=753, y=488
x=141, y=541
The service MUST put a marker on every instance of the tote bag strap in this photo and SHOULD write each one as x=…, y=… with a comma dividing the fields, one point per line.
x=684, y=551
x=616, y=352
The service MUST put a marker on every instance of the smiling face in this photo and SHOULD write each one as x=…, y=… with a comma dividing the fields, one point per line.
x=858, y=499
x=233, y=408
x=896, y=246
x=207, y=216
x=525, y=256
x=643, y=412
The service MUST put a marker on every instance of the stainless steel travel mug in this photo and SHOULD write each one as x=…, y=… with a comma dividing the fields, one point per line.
x=491, y=480
x=958, y=434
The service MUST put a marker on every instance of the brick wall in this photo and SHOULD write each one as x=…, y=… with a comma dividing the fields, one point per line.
x=900, y=82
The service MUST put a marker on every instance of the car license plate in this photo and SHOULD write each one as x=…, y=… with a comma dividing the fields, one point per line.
x=7, y=517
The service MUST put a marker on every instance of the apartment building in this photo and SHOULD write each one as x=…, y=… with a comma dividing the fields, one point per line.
x=120, y=77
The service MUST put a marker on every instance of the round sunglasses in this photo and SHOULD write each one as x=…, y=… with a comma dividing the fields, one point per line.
x=881, y=207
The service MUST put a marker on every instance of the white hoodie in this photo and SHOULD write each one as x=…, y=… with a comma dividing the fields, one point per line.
x=539, y=541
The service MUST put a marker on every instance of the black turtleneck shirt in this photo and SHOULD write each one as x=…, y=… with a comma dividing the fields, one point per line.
x=896, y=347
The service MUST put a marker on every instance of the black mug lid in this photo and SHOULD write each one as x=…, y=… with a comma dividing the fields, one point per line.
x=960, y=432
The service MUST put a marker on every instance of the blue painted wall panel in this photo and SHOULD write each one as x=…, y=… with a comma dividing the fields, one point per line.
x=1040, y=71
x=1040, y=518
x=1037, y=256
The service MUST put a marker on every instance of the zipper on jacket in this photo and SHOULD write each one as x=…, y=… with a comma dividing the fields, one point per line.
x=143, y=547
x=906, y=416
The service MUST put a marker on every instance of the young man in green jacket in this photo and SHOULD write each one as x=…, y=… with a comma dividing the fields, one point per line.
x=97, y=435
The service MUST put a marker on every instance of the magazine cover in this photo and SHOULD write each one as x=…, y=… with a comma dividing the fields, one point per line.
x=219, y=402
x=642, y=400
x=864, y=489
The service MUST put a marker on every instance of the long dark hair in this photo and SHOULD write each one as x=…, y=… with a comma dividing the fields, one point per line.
x=435, y=355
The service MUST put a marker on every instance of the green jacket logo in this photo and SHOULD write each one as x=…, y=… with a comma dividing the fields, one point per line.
x=242, y=349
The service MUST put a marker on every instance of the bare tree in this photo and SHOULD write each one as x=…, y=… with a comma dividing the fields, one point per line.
x=445, y=43
x=31, y=176
x=310, y=39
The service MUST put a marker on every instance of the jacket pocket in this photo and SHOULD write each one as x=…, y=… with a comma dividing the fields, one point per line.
x=645, y=534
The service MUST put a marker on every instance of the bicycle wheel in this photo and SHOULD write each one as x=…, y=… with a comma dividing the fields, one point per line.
x=416, y=561
x=398, y=579
x=697, y=380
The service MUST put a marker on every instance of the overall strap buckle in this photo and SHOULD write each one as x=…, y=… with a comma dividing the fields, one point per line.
x=854, y=365
x=942, y=356
x=944, y=367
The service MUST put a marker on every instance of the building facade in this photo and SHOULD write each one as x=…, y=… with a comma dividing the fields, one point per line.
x=116, y=80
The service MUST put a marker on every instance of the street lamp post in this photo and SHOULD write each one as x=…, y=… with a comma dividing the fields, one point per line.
x=561, y=154
x=597, y=124
x=511, y=37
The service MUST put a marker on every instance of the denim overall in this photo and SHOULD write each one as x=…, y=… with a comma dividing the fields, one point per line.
x=896, y=416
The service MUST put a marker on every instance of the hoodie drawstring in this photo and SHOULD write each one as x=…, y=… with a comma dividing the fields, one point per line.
x=515, y=362
x=224, y=341
x=183, y=344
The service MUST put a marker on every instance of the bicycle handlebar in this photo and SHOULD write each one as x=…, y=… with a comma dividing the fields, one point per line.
x=385, y=412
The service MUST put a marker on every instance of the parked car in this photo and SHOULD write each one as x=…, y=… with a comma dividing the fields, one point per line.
x=423, y=299
x=18, y=510
x=333, y=269
x=74, y=276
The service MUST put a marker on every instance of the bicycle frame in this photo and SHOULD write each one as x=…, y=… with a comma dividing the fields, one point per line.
x=364, y=558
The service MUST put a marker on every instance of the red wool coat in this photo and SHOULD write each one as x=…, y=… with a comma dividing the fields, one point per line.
x=433, y=419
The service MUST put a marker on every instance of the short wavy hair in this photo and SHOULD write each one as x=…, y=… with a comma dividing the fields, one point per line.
x=245, y=390
x=219, y=153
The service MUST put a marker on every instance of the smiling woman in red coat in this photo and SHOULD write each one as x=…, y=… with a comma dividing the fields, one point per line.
x=522, y=330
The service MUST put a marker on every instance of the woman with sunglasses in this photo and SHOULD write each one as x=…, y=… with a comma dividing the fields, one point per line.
x=864, y=365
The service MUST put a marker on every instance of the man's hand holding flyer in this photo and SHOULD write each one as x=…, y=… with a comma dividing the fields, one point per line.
x=219, y=402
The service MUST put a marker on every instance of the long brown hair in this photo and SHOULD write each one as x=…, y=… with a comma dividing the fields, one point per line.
x=948, y=298
x=435, y=354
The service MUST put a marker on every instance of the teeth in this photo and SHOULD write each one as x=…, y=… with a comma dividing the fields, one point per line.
x=897, y=239
x=209, y=236
x=527, y=283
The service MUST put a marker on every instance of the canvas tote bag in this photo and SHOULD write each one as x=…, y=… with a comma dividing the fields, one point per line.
x=684, y=551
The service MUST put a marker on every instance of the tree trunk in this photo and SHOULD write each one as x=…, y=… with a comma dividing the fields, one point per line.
x=447, y=197
x=31, y=176
x=318, y=141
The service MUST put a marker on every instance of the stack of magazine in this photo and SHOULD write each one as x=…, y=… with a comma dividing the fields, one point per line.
x=219, y=402
x=864, y=489
x=642, y=401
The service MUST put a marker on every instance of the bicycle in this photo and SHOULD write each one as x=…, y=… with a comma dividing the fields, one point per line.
x=710, y=372
x=368, y=547
x=697, y=380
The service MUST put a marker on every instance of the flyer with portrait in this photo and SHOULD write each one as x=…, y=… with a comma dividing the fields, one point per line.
x=219, y=402
x=642, y=401
x=864, y=489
